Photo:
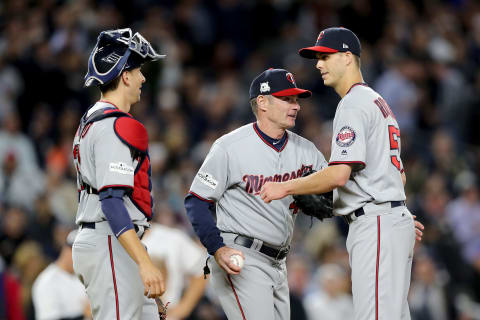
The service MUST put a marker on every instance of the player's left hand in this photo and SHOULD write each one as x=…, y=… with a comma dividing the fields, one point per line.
x=272, y=191
x=419, y=227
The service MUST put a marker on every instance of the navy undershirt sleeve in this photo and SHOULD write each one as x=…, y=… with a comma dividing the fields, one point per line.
x=115, y=211
x=201, y=218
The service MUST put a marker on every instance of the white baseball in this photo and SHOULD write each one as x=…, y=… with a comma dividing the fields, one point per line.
x=237, y=260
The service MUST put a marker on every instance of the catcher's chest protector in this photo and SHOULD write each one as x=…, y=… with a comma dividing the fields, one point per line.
x=132, y=133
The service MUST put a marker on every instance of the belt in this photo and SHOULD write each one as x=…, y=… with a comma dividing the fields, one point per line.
x=349, y=218
x=265, y=249
x=91, y=225
x=89, y=190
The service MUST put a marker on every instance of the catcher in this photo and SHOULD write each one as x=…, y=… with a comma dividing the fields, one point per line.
x=111, y=157
x=230, y=179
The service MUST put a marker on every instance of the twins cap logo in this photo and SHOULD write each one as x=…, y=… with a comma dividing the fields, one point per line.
x=345, y=137
x=264, y=87
x=291, y=79
x=320, y=36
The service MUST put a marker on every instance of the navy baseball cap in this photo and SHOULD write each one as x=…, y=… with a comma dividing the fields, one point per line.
x=278, y=83
x=332, y=40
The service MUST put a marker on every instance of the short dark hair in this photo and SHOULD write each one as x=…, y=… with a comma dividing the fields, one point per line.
x=110, y=86
x=254, y=104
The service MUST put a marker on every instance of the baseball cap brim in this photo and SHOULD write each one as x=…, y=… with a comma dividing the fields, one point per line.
x=311, y=52
x=302, y=93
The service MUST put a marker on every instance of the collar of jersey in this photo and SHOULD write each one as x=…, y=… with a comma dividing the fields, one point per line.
x=276, y=144
x=101, y=104
x=356, y=84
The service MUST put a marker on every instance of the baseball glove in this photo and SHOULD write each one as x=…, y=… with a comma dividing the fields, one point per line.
x=162, y=308
x=315, y=205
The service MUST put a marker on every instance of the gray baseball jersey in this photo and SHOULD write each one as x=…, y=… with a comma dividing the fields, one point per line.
x=380, y=241
x=104, y=161
x=110, y=275
x=233, y=173
x=366, y=134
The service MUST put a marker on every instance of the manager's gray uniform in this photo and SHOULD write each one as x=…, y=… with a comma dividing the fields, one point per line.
x=232, y=175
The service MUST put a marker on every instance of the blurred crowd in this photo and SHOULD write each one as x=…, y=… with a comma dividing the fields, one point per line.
x=422, y=56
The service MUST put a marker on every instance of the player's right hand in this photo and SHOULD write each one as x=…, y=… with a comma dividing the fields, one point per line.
x=152, y=278
x=222, y=256
x=272, y=191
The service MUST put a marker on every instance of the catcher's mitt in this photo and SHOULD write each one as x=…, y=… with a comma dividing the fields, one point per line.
x=315, y=205
x=162, y=308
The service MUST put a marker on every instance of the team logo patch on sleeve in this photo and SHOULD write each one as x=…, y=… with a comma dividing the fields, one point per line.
x=121, y=167
x=345, y=137
x=207, y=179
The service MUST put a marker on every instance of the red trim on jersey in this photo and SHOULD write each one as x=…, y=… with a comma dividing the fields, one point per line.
x=113, y=275
x=266, y=142
x=115, y=186
x=236, y=297
x=356, y=84
x=378, y=268
x=199, y=197
x=402, y=171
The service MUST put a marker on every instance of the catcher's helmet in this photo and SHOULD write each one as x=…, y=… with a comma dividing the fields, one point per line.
x=115, y=51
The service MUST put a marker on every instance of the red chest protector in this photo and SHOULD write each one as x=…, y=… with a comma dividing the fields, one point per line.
x=132, y=133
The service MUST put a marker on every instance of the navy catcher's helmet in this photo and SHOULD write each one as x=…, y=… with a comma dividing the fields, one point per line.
x=115, y=51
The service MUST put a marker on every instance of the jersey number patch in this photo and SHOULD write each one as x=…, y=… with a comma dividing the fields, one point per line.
x=394, y=134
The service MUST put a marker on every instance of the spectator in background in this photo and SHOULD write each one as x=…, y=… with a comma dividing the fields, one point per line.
x=21, y=181
x=427, y=297
x=332, y=299
x=11, y=85
x=298, y=280
x=397, y=86
x=13, y=231
x=42, y=226
x=13, y=141
x=28, y=262
x=182, y=261
x=463, y=216
x=57, y=293
x=10, y=295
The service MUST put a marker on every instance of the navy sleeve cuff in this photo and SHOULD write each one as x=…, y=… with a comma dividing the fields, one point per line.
x=201, y=218
x=115, y=211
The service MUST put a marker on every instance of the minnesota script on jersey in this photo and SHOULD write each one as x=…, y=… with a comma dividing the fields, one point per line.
x=233, y=173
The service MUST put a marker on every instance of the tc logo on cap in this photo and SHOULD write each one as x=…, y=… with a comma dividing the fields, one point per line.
x=290, y=78
x=320, y=36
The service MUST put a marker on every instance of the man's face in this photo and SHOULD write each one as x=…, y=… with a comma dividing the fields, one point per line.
x=332, y=67
x=282, y=111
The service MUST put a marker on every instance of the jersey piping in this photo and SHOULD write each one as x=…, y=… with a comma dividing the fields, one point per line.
x=356, y=84
x=199, y=197
x=268, y=143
